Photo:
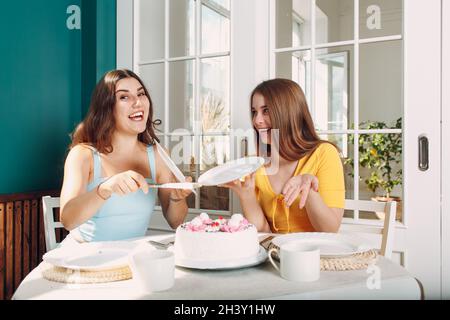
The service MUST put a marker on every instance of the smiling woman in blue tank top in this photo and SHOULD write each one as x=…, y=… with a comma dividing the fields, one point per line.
x=112, y=158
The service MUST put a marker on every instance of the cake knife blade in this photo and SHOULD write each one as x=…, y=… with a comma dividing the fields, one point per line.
x=176, y=185
x=171, y=165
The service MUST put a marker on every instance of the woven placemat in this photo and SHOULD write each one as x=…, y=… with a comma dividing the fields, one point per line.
x=65, y=275
x=356, y=261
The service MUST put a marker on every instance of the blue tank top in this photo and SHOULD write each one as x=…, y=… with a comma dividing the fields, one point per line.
x=120, y=217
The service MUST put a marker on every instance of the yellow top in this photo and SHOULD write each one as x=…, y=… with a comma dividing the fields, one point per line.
x=326, y=165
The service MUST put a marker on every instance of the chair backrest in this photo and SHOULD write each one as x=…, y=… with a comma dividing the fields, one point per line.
x=50, y=225
x=386, y=230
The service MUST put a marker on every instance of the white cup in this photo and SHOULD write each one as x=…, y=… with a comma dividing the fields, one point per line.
x=153, y=270
x=298, y=261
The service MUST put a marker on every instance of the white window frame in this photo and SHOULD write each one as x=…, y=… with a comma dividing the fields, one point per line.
x=344, y=149
x=299, y=21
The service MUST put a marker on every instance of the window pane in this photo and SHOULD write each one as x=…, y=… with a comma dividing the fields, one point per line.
x=333, y=107
x=214, y=198
x=215, y=32
x=293, y=23
x=380, y=167
x=151, y=30
x=182, y=28
x=380, y=18
x=334, y=20
x=153, y=77
x=381, y=82
x=181, y=151
x=181, y=95
x=295, y=66
x=215, y=150
x=215, y=94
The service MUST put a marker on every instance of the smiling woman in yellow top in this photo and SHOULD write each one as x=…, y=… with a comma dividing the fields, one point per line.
x=301, y=188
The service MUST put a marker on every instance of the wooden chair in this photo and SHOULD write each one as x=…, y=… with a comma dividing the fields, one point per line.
x=386, y=230
x=50, y=225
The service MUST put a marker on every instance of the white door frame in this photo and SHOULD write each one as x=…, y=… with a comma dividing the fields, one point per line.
x=445, y=151
x=422, y=190
x=249, y=52
x=124, y=34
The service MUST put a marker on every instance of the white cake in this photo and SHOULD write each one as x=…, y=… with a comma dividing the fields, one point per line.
x=204, y=239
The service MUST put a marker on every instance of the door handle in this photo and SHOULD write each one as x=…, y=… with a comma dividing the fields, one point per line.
x=244, y=146
x=423, y=153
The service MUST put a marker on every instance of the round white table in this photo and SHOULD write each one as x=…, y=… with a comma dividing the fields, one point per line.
x=257, y=282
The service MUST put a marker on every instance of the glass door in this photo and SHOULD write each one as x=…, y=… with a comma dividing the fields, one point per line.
x=358, y=62
x=371, y=71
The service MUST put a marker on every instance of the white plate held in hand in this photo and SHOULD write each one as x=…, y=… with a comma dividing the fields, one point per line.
x=230, y=171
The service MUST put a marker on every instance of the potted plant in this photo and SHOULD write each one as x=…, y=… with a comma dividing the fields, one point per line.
x=381, y=154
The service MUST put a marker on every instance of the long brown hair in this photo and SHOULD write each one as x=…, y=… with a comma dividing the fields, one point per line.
x=98, y=126
x=288, y=112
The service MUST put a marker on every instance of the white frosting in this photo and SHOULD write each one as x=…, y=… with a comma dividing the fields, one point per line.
x=197, y=222
x=210, y=245
x=203, y=216
x=237, y=217
x=214, y=228
x=234, y=223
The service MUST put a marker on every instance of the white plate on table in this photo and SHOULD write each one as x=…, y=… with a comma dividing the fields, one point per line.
x=259, y=258
x=331, y=245
x=230, y=171
x=91, y=256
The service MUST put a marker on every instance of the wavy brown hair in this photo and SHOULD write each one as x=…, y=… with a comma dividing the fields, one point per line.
x=99, y=124
x=288, y=112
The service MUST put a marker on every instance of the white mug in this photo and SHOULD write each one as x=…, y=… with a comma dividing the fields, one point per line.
x=298, y=261
x=153, y=270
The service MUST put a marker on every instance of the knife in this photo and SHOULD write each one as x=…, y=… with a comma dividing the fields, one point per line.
x=170, y=164
x=172, y=167
x=176, y=185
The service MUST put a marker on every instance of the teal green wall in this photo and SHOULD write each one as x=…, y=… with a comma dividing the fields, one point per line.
x=99, y=47
x=47, y=75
